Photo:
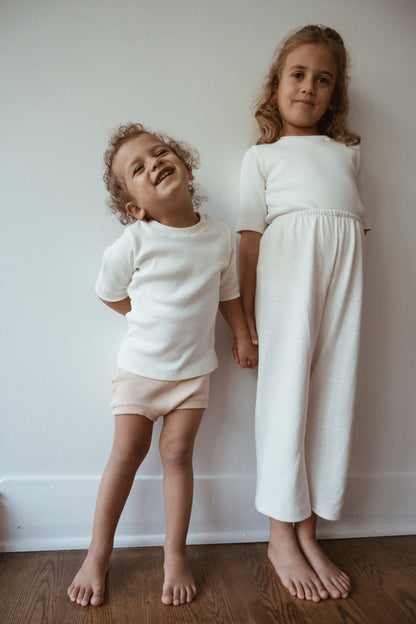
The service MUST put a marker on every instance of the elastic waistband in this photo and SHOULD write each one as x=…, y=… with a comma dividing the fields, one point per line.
x=320, y=213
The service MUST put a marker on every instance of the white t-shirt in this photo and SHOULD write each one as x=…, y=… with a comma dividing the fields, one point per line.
x=298, y=173
x=175, y=278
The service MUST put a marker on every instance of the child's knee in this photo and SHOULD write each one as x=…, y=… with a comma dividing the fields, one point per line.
x=129, y=454
x=177, y=452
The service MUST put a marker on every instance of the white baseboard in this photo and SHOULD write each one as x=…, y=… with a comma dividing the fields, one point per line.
x=55, y=513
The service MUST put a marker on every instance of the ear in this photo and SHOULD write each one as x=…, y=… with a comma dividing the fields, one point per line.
x=136, y=212
x=190, y=174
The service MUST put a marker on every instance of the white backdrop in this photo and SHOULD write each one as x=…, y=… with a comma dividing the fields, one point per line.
x=70, y=73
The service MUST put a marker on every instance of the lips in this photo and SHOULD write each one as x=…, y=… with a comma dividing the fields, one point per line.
x=163, y=173
x=307, y=102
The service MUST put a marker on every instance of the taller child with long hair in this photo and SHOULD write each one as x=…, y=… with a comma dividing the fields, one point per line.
x=302, y=231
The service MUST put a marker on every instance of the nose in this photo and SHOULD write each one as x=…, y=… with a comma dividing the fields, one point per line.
x=155, y=162
x=308, y=87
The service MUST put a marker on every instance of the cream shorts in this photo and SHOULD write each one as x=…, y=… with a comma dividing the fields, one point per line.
x=133, y=394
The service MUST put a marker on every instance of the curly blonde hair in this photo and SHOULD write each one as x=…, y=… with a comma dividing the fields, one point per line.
x=334, y=122
x=119, y=195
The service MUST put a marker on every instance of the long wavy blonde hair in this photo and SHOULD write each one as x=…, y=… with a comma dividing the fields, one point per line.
x=334, y=122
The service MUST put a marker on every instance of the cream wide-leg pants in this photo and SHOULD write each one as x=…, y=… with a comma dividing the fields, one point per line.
x=308, y=308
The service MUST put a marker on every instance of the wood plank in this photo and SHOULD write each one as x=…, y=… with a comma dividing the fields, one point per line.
x=370, y=598
x=32, y=600
x=236, y=585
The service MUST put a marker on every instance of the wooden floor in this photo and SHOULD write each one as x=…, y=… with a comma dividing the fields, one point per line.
x=236, y=586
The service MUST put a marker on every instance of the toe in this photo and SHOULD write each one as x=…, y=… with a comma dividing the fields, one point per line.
x=80, y=595
x=313, y=592
x=344, y=590
x=344, y=585
x=309, y=594
x=321, y=590
x=176, y=596
x=167, y=597
x=86, y=598
x=72, y=593
x=190, y=593
x=300, y=592
x=316, y=597
x=333, y=590
x=182, y=595
x=292, y=588
x=97, y=598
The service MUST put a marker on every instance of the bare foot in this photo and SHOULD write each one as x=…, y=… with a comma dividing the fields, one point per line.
x=88, y=585
x=335, y=581
x=294, y=571
x=179, y=585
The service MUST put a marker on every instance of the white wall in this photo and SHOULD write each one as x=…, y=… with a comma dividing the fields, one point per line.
x=71, y=72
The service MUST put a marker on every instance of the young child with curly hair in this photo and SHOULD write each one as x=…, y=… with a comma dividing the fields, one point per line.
x=168, y=273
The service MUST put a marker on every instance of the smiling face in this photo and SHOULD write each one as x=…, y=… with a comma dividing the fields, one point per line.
x=155, y=178
x=305, y=88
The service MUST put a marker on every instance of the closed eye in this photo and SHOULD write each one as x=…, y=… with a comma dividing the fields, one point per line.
x=137, y=169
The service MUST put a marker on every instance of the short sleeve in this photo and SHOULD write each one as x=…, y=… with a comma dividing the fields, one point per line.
x=229, y=278
x=117, y=269
x=253, y=207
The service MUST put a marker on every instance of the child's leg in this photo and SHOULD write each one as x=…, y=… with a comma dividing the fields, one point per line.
x=335, y=581
x=331, y=399
x=176, y=449
x=132, y=439
x=290, y=564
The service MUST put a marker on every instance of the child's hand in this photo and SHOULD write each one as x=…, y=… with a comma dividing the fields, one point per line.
x=245, y=353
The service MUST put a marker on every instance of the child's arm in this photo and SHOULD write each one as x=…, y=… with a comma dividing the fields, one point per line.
x=245, y=353
x=249, y=254
x=122, y=307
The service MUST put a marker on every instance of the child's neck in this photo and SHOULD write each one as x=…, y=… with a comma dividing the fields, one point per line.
x=300, y=132
x=181, y=217
x=181, y=220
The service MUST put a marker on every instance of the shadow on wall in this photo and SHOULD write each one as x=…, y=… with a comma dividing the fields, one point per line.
x=384, y=433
